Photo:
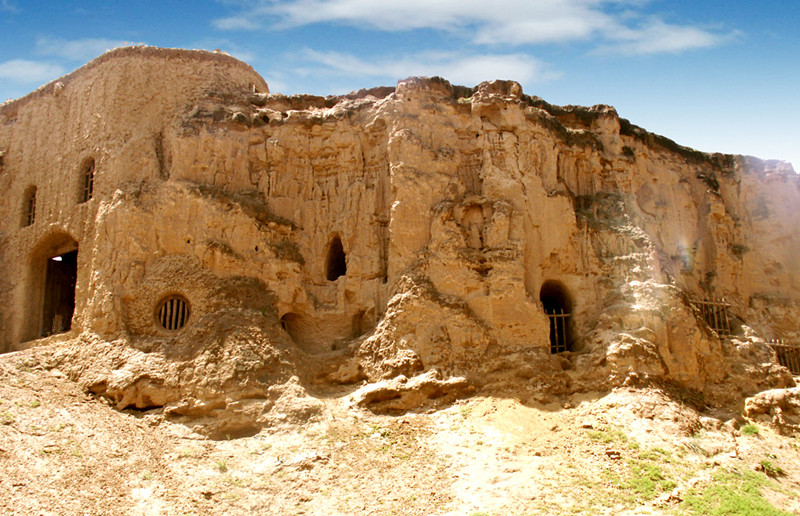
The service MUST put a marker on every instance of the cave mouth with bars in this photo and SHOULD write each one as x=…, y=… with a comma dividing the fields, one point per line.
x=59, y=293
x=558, y=307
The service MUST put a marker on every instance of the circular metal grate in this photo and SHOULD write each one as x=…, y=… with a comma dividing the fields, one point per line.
x=172, y=313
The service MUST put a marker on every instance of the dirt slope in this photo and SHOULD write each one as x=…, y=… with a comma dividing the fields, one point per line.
x=624, y=452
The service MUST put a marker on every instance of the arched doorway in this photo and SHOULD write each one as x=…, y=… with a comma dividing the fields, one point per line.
x=336, y=262
x=558, y=307
x=59, y=293
x=53, y=275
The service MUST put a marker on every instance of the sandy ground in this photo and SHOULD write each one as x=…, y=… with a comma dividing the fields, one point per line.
x=625, y=452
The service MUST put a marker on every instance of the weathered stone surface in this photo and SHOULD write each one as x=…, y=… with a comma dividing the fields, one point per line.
x=401, y=393
x=779, y=407
x=321, y=242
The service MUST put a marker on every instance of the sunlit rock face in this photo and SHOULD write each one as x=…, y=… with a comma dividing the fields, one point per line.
x=186, y=240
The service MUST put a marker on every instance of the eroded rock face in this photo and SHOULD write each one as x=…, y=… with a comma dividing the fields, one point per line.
x=778, y=407
x=423, y=232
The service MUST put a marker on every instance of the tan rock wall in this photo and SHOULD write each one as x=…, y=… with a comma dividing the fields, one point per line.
x=453, y=208
x=115, y=110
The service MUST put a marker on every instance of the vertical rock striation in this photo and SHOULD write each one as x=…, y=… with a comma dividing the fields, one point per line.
x=427, y=230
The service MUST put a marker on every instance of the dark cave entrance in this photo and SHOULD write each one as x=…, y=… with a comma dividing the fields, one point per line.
x=336, y=263
x=558, y=307
x=59, y=293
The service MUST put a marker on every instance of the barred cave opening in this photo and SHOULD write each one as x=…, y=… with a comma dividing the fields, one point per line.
x=557, y=305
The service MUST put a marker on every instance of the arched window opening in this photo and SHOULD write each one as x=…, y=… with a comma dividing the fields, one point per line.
x=59, y=293
x=296, y=326
x=558, y=307
x=87, y=180
x=172, y=312
x=29, y=207
x=288, y=321
x=336, y=264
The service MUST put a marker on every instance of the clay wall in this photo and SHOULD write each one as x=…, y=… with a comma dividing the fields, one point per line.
x=460, y=214
x=113, y=112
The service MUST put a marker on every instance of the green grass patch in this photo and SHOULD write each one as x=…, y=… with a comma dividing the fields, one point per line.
x=770, y=469
x=696, y=449
x=656, y=454
x=749, y=429
x=730, y=493
x=609, y=435
x=641, y=481
x=647, y=480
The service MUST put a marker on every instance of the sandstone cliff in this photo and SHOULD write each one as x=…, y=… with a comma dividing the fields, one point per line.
x=395, y=244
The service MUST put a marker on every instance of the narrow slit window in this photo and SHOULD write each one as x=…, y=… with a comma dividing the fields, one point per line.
x=173, y=312
x=29, y=207
x=88, y=181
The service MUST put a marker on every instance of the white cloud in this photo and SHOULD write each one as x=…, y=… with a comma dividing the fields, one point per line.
x=237, y=23
x=24, y=71
x=611, y=23
x=550, y=19
x=466, y=69
x=227, y=46
x=544, y=28
x=77, y=49
x=277, y=86
x=659, y=37
x=8, y=6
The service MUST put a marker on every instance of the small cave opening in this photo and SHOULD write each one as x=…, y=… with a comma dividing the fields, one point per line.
x=557, y=305
x=290, y=322
x=59, y=293
x=318, y=333
x=336, y=263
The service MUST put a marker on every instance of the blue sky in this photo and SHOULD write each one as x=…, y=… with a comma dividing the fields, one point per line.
x=719, y=76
